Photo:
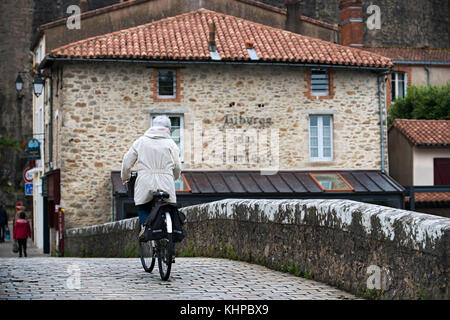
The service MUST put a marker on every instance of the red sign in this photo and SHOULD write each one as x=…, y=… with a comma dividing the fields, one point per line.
x=18, y=205
x=27, y=177
x=60, y=213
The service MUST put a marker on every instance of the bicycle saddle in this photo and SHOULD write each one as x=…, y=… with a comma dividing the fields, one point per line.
x=161, y=194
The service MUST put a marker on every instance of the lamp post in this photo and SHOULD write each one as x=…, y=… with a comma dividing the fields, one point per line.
x=38, y=84
x=19, y=83
x=38, y=87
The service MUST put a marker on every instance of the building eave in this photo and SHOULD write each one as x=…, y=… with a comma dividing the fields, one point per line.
x=48, y=60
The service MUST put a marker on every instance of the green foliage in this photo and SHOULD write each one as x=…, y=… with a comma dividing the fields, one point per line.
x=8, y=143
x=373, y=294
x=422, y=102
x=131, y=251
x=230, y=253
x=83, y=251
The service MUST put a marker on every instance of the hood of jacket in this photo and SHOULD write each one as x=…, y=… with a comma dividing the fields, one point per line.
x=157, y=133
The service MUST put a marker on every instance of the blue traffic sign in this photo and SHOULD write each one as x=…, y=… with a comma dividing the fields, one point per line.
x=28, y=189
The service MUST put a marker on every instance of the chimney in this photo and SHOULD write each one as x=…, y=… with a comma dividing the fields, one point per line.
x=351, y=22
x=293, y=21
x=84, y=5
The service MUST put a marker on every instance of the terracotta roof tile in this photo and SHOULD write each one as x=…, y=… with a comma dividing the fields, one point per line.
x=431, y=197
x=185, y=37
x=413, y=54
x=424, y=132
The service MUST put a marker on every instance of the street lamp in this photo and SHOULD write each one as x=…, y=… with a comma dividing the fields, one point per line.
x=38, y=84
x=19, y=83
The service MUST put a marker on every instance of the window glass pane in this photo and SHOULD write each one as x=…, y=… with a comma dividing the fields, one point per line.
x=398, y=85
x=401, y=89
x=325, y=184
x=314, y=152
x=393, y=93
x=314, y=142
x=331, y=181
x=175, y=121
x=166, y=83
x=313, y=121
x=327, y=152
x=180, y=185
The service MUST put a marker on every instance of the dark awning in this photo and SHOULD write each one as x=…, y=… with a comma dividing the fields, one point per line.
x=203, y=186
x=286, y=182
x=283, y=182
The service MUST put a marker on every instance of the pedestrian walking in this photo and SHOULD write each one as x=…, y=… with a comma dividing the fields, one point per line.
x=22, y=231
x=3, y=222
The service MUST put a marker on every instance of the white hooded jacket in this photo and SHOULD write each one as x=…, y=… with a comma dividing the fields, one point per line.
x=158, y=164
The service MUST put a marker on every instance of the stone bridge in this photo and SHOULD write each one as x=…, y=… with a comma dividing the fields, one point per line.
x=367, y=250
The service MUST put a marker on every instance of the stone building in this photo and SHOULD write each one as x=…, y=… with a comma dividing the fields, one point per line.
x=241, y=96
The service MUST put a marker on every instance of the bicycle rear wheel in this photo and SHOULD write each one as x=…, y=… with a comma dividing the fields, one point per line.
x=165, y=255
x=148, y=255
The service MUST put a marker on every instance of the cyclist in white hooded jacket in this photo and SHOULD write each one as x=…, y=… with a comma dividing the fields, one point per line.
x=158, y=165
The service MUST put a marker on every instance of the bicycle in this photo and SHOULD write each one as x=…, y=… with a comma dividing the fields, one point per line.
x=163, y=249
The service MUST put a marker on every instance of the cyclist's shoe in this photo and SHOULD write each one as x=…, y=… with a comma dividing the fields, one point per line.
x=173, y=259
x=141, y=234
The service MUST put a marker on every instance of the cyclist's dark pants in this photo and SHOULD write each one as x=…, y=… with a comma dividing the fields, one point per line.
x=144, y=210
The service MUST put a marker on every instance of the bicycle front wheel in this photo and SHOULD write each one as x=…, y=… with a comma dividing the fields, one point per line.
x=165, y=255
x=148, y=255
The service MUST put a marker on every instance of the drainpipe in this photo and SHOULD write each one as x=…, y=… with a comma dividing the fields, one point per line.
x=428, y=74
x=50, y=129
x=380, y=101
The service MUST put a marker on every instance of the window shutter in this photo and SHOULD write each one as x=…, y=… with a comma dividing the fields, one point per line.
x=441, y=171
x=319, y=82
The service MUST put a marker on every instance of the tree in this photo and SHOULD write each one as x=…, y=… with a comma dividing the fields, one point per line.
x=8, y=142
x=422, y=102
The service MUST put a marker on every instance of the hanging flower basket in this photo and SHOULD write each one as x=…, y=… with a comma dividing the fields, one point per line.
x=33, y=71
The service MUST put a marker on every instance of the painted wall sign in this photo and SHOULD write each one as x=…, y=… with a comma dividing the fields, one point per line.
x=33, y=150
x=233, y=120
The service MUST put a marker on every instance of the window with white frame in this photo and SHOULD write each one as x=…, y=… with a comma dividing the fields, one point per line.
x=398, y=85
x=320, y=137
x=320, y=85
x=167, y=84
x=176, y=133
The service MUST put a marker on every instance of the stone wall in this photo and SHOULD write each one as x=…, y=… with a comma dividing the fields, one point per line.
x=19, y=20
x=113, y=239
x=15, y=109
x=144, y=11
x=404, y=23
x=102, y=108
x=369, y=250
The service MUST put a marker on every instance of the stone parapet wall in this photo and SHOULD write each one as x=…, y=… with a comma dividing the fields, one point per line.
x=369, y=250
x=114, y=239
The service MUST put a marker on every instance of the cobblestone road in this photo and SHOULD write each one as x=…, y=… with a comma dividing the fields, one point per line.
x=191, y=278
